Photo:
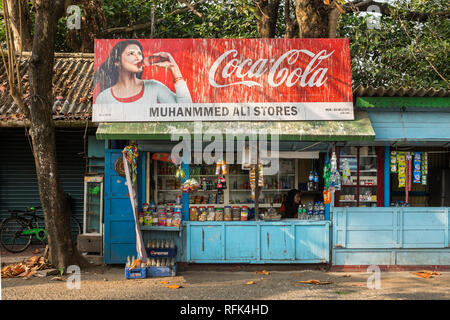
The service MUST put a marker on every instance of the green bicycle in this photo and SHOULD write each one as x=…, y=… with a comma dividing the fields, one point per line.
x=17, y=231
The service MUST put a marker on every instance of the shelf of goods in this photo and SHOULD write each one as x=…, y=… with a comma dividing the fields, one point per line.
x=237, y=191
x=358, y=169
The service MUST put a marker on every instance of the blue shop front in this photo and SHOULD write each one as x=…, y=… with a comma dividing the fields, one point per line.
x=409, y=224
x=385, y=213
x=227, y=226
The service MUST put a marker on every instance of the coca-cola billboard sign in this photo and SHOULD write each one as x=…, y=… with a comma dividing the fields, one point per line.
x=222, y=80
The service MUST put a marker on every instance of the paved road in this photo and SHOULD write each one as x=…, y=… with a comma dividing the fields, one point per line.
x=109, y=283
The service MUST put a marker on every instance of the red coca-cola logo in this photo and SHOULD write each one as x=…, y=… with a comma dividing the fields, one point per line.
x=248, y=69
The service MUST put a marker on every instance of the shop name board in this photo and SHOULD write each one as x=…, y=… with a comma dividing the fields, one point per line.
x=222, y=80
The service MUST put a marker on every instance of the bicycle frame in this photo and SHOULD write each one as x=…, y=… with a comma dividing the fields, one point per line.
x=39, y=233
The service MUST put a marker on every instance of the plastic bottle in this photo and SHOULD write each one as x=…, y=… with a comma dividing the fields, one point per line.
x=322, y=211
x=310, y=210
x=299, y=212
x=317, y=216
x=316, y=181
x=128, y=262
x=310, y=181
x=338, y=180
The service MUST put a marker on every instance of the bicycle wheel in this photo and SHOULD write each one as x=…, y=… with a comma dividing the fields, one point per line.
x=11, y=236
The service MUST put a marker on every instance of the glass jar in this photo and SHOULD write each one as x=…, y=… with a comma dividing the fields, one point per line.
x=202, y=214
x=176, y=220
x=244, y=213
x=236, y=213
x=211, y=213
x=162, y=219
x=228, y=214
x=193, y=214
x=219, y=214
x=169, y=218
x=155, y=216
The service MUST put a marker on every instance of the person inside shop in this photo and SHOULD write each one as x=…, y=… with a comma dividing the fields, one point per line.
x=289, y=207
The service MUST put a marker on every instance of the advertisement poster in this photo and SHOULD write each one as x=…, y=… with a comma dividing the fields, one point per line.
x=222, y=80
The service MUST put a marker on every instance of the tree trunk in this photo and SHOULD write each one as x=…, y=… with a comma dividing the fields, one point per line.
x=267, y=18
x=290, y=23
x=315, y=19
x=20, y=24
x=62, y=251
x=92, y=23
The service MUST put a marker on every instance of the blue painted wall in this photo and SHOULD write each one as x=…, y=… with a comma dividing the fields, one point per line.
x=391, y=236
x=288, y=241
x=410, y=126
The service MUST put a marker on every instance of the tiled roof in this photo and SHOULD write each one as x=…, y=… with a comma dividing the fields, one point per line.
x=72, y=83
x=72, y=88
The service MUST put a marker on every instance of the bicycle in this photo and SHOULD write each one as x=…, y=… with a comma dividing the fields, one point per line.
x=17, y=231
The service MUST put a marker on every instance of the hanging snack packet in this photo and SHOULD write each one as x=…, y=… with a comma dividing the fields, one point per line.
x=424, y=180
x=417, y=175
x=393, y=162
x=401, y=162
x=180, y=173
x=224, y=167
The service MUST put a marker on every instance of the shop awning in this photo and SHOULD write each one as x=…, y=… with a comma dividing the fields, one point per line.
x=403, y=102
x=410, y=126
x=359, y=129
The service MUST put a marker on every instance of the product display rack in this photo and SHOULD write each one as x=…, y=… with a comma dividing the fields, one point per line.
x=362, y=190
x=165, y=194
x=231, y=196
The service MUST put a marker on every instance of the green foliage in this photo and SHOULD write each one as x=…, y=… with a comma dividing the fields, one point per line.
x=220, y=19
x=400, y=52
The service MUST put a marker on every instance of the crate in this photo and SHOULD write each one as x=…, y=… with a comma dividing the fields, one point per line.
x=161, y=252
x=162, y=271
x=135, y=273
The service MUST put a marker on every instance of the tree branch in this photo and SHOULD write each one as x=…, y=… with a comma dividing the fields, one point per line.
x=389, y=10
x=191, y=8
x=142, y=26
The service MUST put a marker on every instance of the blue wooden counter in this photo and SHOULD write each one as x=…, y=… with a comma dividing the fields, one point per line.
x=391, y=236
x=285, y=241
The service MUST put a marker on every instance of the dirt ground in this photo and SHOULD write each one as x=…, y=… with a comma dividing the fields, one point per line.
x=108, y=282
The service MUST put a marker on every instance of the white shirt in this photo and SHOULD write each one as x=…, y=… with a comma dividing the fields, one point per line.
x=154, y=92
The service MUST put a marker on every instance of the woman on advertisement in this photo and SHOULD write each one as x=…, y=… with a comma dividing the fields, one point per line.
x=120, y=76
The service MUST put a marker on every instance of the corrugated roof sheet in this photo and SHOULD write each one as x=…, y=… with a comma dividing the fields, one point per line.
x=369, y=91
x=72, y=88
